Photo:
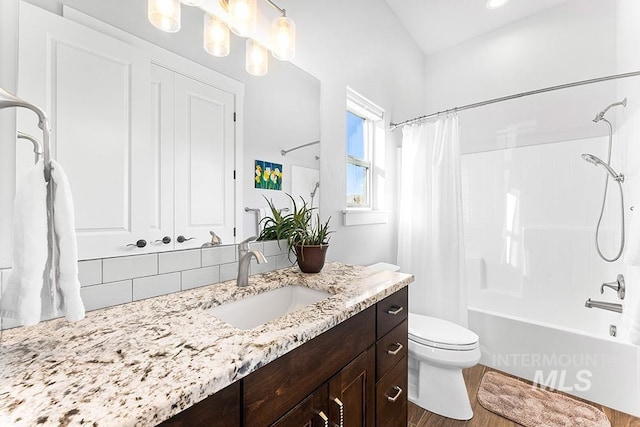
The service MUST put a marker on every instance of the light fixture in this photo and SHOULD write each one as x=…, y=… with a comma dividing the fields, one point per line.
x=283, y=38
x=257, y=58
x=243, y=17
x=494, y=4
x=239, y=16
x=164, y=14
x=216, y=36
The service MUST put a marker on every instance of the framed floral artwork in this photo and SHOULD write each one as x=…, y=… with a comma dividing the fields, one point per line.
x=267, y=175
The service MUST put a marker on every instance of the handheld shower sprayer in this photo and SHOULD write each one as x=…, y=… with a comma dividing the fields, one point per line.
x=595, y=160
x=617, y=177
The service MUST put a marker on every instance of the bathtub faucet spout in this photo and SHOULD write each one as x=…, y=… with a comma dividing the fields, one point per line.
x=604, y=305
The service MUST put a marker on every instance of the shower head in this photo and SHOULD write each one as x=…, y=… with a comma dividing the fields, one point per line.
x=600, y=115
x=594, y=160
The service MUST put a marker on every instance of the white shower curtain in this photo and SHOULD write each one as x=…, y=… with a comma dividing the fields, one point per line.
x=431, y=238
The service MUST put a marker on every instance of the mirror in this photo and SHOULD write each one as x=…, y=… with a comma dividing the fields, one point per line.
x=280, y=111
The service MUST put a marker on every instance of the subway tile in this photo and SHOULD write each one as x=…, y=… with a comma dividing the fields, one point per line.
x=283, y=261
x=228, y=271
x=4, y=276
x=107, y=294
x=147, y=287
x=200, y=277
x=90, y=272
x=256, y=268
x=178, y=260
x=256, y=246
x=129, y=267
x=218, y=255
x=275, y=247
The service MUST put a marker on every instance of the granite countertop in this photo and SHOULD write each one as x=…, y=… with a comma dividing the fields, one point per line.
x=143, y=362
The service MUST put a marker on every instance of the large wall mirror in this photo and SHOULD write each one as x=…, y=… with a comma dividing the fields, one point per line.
x=144, y=125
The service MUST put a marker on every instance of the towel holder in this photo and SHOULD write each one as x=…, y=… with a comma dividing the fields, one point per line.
x=7, y=100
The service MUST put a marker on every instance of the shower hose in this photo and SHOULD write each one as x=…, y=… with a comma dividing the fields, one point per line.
x=604, y=201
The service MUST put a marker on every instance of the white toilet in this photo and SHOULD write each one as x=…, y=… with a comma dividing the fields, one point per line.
x=438, y=351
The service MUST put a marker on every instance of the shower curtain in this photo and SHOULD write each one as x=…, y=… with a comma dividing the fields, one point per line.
x=431, y=238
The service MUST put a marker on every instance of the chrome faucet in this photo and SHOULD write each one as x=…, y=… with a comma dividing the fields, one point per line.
x=244, y=256
x=617, y=286
x=610, y=306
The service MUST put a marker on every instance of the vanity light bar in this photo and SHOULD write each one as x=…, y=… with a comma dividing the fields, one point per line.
x=240, y=17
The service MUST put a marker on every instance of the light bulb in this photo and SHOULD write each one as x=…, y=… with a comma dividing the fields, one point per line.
x=283, y=38
x=243, y=17
x=257, y=58
x=164, y=14
x=494, y=4
x=216, y=36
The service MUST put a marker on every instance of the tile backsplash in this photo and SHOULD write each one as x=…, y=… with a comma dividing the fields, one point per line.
x=113, y=281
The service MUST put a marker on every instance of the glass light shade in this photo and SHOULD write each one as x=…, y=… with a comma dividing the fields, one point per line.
x=164, y=14
x=243, y=17
x=257, y=58
x=283, y=38
x=192, y=2
x=216, y=36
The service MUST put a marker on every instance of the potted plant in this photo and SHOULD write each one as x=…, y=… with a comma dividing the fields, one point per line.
x=306, y=236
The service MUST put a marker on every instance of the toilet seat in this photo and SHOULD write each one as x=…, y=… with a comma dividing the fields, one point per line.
x=442, y=334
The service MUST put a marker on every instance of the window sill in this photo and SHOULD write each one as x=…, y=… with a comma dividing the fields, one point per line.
x=364, y=217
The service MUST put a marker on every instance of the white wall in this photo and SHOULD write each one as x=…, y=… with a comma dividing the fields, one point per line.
x=573, y=41
x=360, y=44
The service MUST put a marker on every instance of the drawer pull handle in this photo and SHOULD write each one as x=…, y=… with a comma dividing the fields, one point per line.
x=341, y=407
x=324, y=418
x=397, y=350
x=395, y=310
x=398, y=393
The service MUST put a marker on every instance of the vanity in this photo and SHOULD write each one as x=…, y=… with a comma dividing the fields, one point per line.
x=168, y=361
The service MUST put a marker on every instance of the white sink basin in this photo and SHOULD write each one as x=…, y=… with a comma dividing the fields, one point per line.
x=259, y=309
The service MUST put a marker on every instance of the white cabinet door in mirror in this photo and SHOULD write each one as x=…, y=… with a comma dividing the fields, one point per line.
x=97, y=92
x=162, y=133
x=204, y=162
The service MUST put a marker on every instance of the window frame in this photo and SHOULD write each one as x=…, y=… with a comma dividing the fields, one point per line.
x=371, y=114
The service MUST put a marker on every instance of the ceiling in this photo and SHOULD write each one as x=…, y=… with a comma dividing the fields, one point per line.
x=438, y=24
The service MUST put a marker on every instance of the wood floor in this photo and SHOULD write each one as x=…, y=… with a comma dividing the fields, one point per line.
x=419, y=417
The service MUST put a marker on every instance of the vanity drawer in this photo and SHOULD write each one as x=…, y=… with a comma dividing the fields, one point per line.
x=391, y=348
x=391, y=397
x=391, y=311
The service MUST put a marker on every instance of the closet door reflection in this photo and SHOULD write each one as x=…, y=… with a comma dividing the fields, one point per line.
x=204, y=159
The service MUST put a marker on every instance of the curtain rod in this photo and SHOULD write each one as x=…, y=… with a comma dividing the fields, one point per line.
x=394, y=126
x=284, y=152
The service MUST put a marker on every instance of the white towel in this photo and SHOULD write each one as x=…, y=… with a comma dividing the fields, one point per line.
x=69, y=300
x=261, y=215
x=21, y=299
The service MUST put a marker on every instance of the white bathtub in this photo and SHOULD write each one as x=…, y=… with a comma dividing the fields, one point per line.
x=600, y=369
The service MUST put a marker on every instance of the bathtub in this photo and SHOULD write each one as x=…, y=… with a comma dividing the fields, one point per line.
x=601, y=369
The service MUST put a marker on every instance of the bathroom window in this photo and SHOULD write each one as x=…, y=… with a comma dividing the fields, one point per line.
x=364, y=119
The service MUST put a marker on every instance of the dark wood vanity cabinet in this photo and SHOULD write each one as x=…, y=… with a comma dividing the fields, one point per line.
x=353, y=375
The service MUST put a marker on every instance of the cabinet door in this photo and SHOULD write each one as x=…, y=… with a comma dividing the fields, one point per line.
x=162, y=158
x=311, y=412
x=204, y=159
x=96, y=91
x=352, y=392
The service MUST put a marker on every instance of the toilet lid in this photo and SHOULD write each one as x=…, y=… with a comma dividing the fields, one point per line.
x=440, y=333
